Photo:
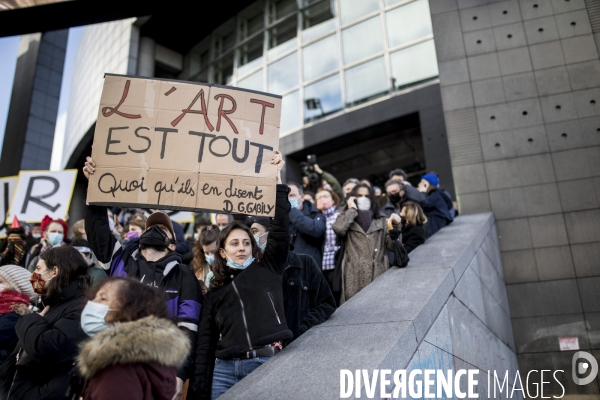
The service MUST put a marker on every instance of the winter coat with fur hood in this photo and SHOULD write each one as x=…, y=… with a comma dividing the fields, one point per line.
x=133, y=360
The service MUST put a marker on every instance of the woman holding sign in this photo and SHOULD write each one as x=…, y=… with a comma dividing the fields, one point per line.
x=243, y=320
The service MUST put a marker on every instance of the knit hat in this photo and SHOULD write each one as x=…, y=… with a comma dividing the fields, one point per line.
x=18, y=278
x=432, y=178
x=264, y=221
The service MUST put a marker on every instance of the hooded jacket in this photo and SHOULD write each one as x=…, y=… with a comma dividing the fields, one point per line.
x=176, y=280
x=437, y=211
x=307, y=230
x=47, y=349
x=133, y=360
x=247, y=312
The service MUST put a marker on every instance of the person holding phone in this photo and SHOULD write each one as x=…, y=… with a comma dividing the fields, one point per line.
x=435, y=207
x=363, y=229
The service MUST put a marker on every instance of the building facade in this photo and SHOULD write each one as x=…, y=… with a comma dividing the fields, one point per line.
x=33, y=110
x=520, y=87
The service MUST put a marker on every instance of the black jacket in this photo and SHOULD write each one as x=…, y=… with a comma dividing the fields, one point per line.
x=8, y=336
x=47, y=347
x=307, y=230
x=411, y=193
x=437, y=211
x=413, y=236
x=308, y=298
x=184, y=296
x=246, y=313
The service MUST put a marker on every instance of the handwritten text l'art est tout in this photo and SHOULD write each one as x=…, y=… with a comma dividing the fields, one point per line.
x=185, y=146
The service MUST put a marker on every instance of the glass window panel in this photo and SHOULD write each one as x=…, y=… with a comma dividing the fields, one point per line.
x=251, y=20
x=320, y=57
x=362, y=40
x=201, y=77
x=414, y=64
x=391, y=2
x=254, y=81
x=282, y=37
x=366, y=81
x=250, y=55
x=224, y=38
x=283, y=74
x=322, y=98
x=318, y=20
x=408, y=23
x=291, y=116
x=354, y=9
x=280, y=8
x=223, y=70
x=198, y=59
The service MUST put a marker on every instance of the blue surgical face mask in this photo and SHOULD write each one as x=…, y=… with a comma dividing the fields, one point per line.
x=257, y=239
x=55, y=238
x=209, y=259
x=92, y=318
x=246, y=264
x=294, y=202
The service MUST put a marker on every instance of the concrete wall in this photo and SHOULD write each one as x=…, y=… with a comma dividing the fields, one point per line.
x=521, y=92
x=446, y=310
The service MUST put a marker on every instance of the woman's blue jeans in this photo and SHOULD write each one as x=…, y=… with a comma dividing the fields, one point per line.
x=229, y=372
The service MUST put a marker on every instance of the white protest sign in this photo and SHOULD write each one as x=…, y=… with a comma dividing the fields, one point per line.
x=7, y=189
x=40, y=193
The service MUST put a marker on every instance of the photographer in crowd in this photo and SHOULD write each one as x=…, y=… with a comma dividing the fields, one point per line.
x=315, y=178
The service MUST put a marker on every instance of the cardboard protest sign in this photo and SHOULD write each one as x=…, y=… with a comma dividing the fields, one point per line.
x=7, y=189
x=177, y=216
x=185, y=146
x=40, y=193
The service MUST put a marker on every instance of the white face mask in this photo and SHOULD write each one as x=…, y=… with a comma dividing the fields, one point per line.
x=363, y=203
x=2, y=287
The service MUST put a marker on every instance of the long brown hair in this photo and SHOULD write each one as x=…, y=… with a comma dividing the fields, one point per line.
x=209, y=234
x=71, y=267
x=220, y=269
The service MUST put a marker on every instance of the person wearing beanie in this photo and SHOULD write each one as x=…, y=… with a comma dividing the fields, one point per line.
x=15, y=294
x=436, y=206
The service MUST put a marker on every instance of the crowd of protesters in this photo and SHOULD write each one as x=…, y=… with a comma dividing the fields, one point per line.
x=135, y=305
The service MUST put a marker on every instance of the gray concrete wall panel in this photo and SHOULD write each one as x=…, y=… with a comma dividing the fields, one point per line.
x=448, y=314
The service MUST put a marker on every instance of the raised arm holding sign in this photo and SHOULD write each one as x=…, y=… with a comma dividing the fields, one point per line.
x=185, y=146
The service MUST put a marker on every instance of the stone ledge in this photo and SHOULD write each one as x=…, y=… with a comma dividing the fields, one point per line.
x=385, y=324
